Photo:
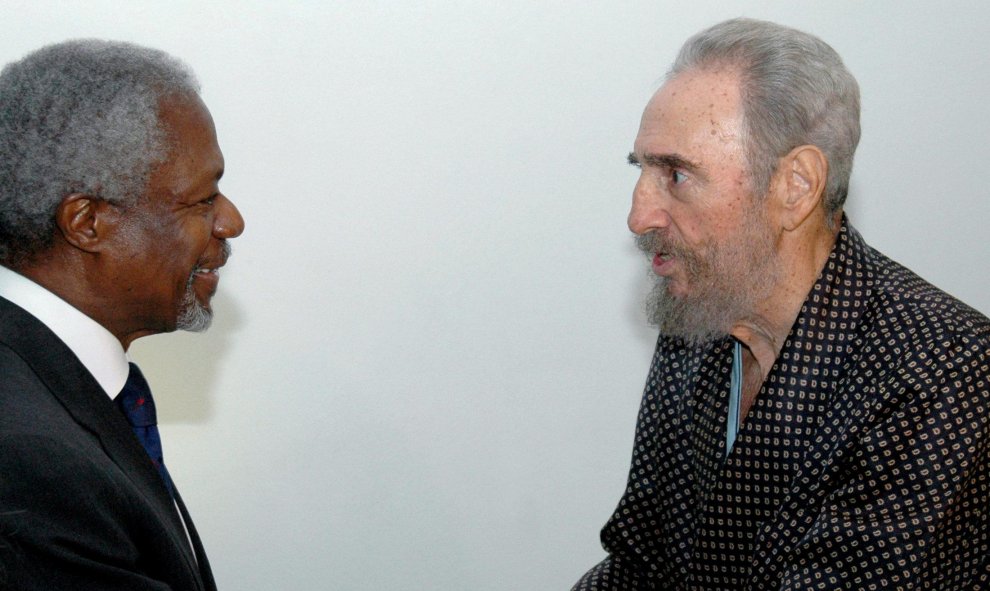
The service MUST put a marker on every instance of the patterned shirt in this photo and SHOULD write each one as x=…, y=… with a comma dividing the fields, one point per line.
x=864, y=462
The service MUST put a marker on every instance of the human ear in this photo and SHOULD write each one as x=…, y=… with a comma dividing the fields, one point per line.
x=804, y=172
x=83, y=220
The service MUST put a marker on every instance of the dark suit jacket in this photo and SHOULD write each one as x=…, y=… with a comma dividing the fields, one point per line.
x=81, y=506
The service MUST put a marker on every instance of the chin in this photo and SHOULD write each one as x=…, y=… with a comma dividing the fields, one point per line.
x=677, y=290
x=194, y=317
x=197, y=324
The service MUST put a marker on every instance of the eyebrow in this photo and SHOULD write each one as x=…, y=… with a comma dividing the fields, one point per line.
x=664, y=161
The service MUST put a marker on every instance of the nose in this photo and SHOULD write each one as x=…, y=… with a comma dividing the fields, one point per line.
x=228, y=222
x=647, y=212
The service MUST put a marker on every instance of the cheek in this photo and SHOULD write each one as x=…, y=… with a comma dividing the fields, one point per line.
x=184, y=242
x=695, y=225
x=168, y=263
x=707, y=227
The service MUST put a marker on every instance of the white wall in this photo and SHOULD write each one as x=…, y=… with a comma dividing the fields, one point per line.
x=428, y=354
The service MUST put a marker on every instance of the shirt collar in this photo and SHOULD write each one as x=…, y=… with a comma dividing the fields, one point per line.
x=96, y=348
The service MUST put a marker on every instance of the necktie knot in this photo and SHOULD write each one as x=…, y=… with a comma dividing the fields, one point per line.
x=135, y=400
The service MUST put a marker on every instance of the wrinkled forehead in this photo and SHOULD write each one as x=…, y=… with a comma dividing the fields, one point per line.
x=179, y=114
x=705, y=98
x=192, y=157
x=696, y=110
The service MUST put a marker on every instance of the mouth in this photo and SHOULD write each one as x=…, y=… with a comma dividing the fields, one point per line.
x=665, y=253
x=207, y=275
x=662, y=262
x=208, y=270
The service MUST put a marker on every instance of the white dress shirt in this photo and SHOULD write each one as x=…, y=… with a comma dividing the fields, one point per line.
x=99, y=351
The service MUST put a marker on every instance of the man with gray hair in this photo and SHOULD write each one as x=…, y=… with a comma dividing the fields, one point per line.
x=816, y=416
x=112, y=227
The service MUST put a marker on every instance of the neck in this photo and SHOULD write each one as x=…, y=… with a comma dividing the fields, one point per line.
x=762, y=334
x=75, y=281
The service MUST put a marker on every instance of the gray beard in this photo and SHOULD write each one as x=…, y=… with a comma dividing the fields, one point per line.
x=695, y=319
x=193, y=316
x=725, y=285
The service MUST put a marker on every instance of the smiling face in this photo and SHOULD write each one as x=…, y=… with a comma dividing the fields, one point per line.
x=170, y=242
x=694, y=212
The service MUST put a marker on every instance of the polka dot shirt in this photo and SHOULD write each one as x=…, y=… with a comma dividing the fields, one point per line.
x=864, y=462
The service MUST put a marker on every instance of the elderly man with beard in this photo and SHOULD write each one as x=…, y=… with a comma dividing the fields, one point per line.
x=816, y=415
x=112, y=227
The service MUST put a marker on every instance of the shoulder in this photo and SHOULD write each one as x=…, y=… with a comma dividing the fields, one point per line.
x=23, y=395
x=918, y=315
x=40, y=440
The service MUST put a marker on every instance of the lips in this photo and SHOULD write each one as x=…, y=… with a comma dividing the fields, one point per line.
x=662, y=263
x=206, y=277
x=210, y=268
x=664, y=252
x=207, y=272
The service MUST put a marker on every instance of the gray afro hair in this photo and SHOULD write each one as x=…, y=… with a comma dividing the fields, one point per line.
x=78, y=117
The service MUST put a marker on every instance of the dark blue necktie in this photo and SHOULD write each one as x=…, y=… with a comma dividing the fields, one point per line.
x=138, y=406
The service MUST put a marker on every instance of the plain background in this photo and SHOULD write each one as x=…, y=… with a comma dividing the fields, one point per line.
x=429, y=352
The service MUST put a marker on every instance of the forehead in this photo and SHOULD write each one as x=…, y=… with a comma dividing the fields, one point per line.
x=193, y=156
x=696, y=115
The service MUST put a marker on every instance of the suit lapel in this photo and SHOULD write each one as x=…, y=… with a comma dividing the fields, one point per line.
x=204, y=564
x=84, y=399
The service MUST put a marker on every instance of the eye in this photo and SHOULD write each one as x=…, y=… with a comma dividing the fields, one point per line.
x=677, y=177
